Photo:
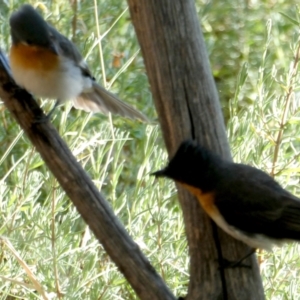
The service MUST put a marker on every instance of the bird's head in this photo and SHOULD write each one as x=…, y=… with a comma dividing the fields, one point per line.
x=192, y=165
x=28, y=27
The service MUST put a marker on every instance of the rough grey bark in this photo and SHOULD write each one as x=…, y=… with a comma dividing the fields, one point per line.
x=187, y=103
x=79, y=187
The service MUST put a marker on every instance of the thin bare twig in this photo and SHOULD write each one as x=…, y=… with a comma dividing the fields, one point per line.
x=287, y=102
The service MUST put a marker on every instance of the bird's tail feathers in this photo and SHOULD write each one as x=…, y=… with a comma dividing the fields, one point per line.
x=101, y=100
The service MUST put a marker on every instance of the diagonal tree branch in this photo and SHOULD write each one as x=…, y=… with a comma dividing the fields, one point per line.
x=78, y=186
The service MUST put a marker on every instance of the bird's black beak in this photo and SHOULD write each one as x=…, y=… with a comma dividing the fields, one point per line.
x=160, y=173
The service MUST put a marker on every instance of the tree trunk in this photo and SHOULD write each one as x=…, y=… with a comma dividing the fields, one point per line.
x=187, y=103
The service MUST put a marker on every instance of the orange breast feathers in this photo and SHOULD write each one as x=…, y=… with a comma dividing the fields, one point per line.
x=206, y=200
x=32, y=57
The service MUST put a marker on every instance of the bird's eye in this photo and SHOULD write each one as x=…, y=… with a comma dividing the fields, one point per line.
x=29, y=42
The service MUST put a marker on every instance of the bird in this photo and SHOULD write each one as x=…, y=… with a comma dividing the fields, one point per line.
x=244, y=201
x=48, y=65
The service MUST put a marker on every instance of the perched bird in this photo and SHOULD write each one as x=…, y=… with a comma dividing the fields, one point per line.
x=244, y=201
x=47, y=64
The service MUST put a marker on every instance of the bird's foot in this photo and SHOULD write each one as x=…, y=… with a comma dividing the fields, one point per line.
x=43, y=118
x=236, y=264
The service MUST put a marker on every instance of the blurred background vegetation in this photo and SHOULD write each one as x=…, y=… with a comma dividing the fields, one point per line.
x=252, y=47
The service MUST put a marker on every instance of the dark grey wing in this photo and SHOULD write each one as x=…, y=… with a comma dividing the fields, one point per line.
x=68, y=49
x=97, y=98
x=290, y=217
x=257, y=204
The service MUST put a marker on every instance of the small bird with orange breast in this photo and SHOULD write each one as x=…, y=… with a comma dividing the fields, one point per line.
x=47, y=64
x=244, y=201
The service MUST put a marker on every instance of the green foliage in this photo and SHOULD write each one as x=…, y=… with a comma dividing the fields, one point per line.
x=252, y=48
